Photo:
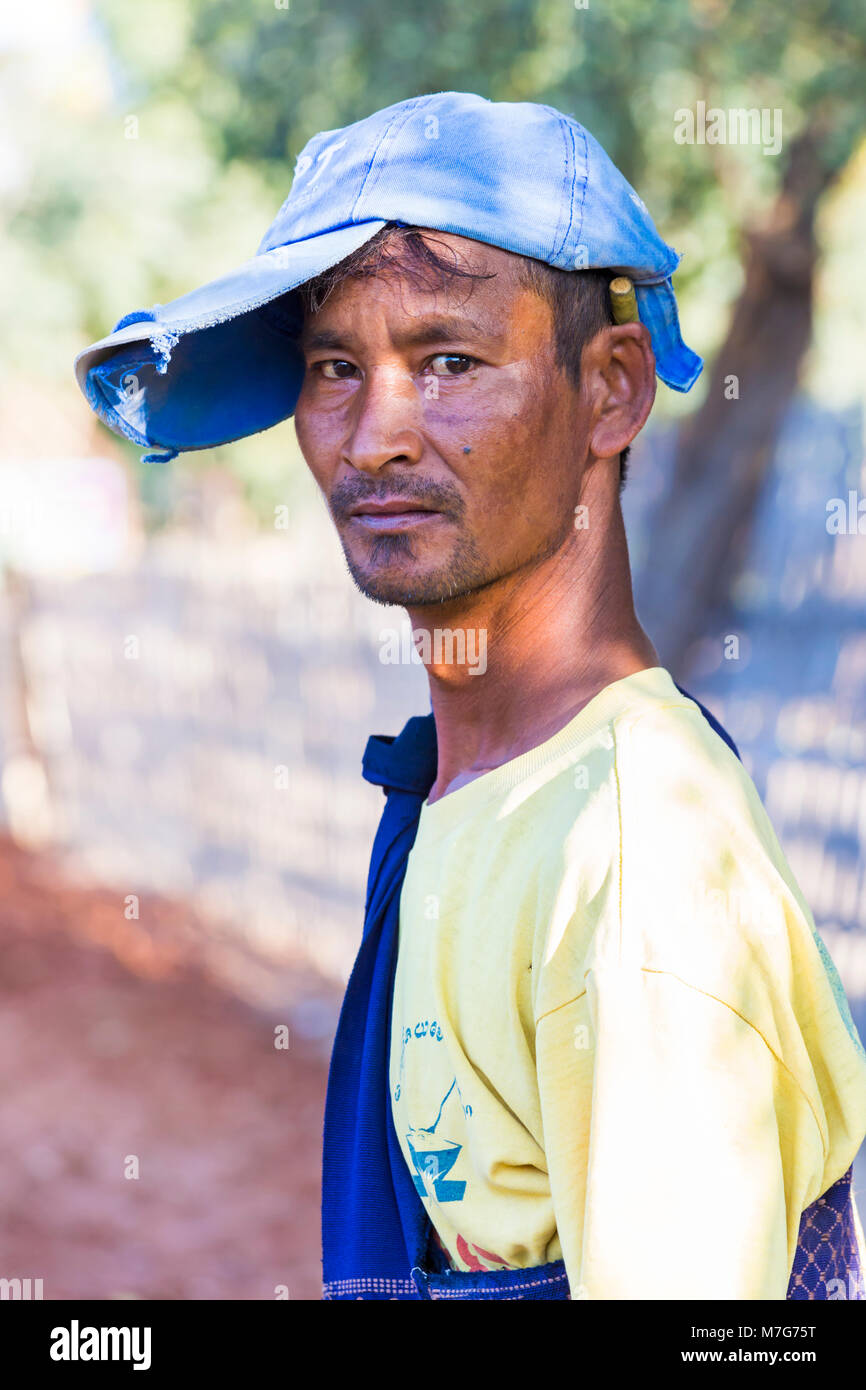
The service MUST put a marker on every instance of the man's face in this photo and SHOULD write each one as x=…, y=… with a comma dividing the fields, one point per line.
x=447, y=443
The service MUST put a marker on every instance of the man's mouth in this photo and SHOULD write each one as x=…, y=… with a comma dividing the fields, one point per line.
x=394, y=514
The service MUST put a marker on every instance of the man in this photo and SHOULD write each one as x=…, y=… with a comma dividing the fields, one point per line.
x=592, y=1046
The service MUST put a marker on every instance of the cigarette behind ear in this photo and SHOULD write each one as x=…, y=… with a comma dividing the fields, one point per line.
x=623, y=300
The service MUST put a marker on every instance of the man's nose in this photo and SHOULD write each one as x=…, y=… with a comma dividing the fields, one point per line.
x=386, y=423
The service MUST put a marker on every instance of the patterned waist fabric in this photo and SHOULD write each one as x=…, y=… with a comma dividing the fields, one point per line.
x=827, y=1261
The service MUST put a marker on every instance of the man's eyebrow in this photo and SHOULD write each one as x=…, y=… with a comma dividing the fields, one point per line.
x=438, y=330
x=315, y=338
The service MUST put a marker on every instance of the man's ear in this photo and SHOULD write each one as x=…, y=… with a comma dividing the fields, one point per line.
x=619, y=376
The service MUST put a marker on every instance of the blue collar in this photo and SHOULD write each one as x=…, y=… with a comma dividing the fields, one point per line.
x=405, y=763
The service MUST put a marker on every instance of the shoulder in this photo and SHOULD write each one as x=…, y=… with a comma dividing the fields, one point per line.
x=668, y=756
x=662, y=855
x=704, y=883
x=661, y=779
x=685, y=797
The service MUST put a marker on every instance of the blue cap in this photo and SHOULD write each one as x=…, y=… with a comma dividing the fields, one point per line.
x=214, y=366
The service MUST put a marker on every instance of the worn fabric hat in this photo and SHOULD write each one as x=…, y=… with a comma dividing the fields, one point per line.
x=215, y=365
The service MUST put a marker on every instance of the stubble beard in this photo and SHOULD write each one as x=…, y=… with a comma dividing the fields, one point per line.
x=464, y=572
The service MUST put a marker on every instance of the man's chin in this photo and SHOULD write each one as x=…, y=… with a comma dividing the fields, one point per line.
x=414, y=586
x=405, y=591
x=398, y=573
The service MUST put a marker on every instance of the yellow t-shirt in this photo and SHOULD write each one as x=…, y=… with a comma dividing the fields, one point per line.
x=616, y=1038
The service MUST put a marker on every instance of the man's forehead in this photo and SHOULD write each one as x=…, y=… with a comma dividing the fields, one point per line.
x=472, y=254
x=484, y=303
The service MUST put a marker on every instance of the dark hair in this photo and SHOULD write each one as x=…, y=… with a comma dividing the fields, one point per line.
x=580, y=299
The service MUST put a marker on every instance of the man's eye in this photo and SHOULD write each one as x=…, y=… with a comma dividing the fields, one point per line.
x=451, y=364
x=336, y=369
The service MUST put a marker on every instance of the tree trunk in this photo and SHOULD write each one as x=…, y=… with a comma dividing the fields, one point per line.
x=699, y=529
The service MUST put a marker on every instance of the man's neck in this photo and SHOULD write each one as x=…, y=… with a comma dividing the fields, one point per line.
x=551, y=637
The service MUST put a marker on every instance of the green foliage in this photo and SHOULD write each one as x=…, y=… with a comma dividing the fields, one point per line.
x=265, y=78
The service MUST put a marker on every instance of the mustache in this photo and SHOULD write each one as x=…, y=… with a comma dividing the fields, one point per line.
x=438, y=497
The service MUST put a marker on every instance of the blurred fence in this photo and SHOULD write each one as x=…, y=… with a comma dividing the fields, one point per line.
x=193, y=724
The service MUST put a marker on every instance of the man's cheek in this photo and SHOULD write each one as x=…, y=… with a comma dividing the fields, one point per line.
x=313, y=442
x=299, y=420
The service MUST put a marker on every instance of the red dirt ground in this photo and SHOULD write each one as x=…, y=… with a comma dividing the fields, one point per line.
x=115, y=1042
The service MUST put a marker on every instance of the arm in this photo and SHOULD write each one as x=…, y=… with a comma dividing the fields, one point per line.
x=681, y=1151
